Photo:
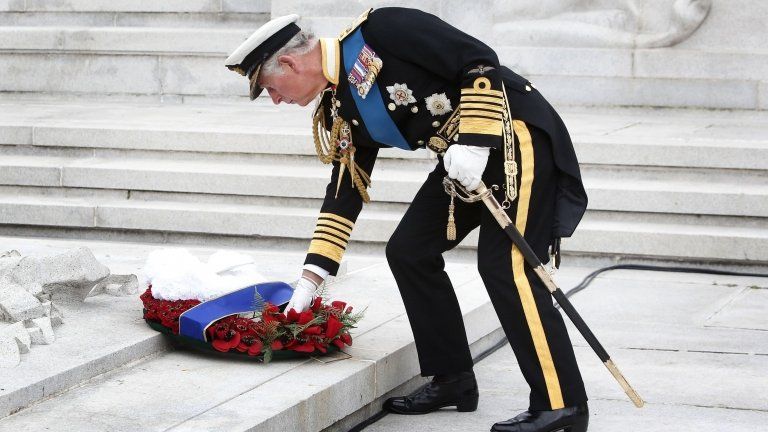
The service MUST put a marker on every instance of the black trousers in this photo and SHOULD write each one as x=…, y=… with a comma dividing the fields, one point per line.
x=533, y=325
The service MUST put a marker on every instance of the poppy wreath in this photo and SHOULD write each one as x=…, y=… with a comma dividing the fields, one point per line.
x=267, y=333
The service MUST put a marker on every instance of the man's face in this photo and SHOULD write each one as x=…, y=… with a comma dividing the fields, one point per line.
x=293, y=86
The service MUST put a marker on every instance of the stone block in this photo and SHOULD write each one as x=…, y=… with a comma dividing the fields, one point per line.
x=154, y=40
x=123, y=6
x=31, y=38
x=656, y=92
x=732, y=25
x=474, y=18
x=40, y=330
x=9, y=260
x=247, y=6
x=117, y=285
x=26, y=211
x=57, y=73
x=55, y=19
x=15, y=135
x=200, y=76
x=57, y=316
x=763, y=95
x=25, y=173
x=71, y=273
x=594, y=62
x=11, y=5
x=18, y=334
x=689, y=64
x=16, y=304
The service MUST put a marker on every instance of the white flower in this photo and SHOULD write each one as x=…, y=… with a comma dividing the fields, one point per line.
x=401, y=94
x=438, y=104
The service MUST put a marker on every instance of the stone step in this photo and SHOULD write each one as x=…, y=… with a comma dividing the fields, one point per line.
x=601, y=233
x=123, y=40
x=636, y=137
x=648, y=190
x=143, y=6
x=197, y=14
x=198, y=20
x=383, y=358
x=644, y=77
x=180, y=61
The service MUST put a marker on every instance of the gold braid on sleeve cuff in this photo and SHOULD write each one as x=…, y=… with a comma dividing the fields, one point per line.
x=331, y=236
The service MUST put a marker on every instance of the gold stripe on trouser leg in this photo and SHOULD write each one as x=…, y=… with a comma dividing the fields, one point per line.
x=518, y=269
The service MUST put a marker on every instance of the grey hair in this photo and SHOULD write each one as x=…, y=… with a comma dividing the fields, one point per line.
x=300, y=44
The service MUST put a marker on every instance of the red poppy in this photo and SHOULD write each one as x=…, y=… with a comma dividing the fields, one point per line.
x=221, y=345
x=346, y=338
x=320, y=347
x=292, y=315
x=333, y=327
x=313, y=330
x=316, y=304
x=306, y=347
x=255, y=349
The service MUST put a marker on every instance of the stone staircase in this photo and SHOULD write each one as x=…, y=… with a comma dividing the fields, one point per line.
x=118, y=121
x=127, y=50
x=663, y=185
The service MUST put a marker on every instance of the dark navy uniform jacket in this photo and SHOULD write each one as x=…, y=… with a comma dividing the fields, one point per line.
x=431, y=58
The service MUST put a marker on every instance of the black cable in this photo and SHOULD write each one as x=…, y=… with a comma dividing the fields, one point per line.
x=573, y=291
x=590, y=277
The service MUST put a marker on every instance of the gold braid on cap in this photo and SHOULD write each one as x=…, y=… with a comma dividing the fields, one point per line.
x=336, y=146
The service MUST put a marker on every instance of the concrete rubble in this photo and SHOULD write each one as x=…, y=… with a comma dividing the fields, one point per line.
x=30, y=287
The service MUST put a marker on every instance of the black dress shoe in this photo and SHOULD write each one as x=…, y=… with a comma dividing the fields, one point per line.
x=459, y=390
x=569, y=419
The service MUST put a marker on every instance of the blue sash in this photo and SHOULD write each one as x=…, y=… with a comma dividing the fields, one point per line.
x=194, y=322
x=372, y=108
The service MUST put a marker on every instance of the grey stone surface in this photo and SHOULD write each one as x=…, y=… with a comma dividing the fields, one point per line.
x=18, y=334
x=124, y=5
x=689, y=64
x=634, y=23
x=656, y=92
x=75, y=271
x=63, y=73
x=11, y=5
x=16, y=304
x=383, y=356
x=654, y=325
x=718, y=33
x=9, y=351
x=745, y=311
x=122, y=39
x=593, y=62
x=252, y=6
x=41, y=330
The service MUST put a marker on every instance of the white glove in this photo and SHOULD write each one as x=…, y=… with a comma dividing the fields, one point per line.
x=466, y=164
x=302, y=296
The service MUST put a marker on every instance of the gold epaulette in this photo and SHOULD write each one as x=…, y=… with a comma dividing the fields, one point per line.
x=355, y=24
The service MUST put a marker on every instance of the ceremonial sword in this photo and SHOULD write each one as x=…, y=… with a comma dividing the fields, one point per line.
x=486, y=195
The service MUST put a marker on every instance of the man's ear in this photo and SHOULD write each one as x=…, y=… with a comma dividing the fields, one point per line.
x=288, y=61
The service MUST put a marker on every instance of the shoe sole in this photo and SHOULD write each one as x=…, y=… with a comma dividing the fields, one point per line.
x=466, y=406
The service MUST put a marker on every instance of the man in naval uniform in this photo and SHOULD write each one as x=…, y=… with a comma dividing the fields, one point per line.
x=404, y=78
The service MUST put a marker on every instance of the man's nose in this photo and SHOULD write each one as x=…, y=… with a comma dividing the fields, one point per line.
x=275, y=96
